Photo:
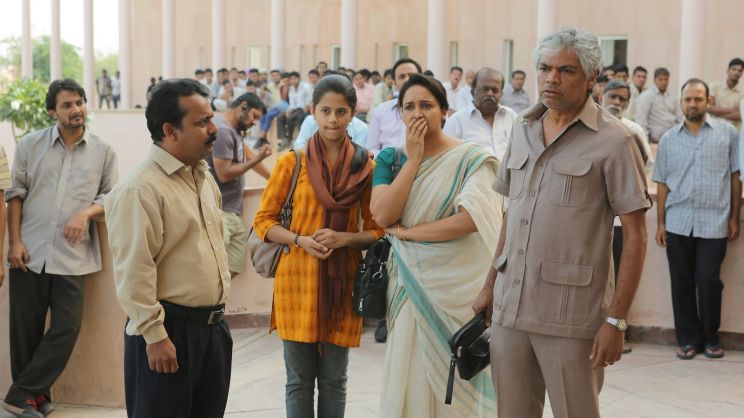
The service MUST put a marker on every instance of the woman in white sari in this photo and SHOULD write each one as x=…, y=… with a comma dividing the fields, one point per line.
x=442, y=218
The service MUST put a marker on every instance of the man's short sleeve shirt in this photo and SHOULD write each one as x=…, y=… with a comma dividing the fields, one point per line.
x=555, y=272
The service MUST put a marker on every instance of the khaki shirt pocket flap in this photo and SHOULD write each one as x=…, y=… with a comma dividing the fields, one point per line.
x=572, y=167
x=566, y=274
x=516, y=161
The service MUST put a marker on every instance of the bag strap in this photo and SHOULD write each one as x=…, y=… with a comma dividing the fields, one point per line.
x=287, y=206
x=450, y=381
x=396, y=162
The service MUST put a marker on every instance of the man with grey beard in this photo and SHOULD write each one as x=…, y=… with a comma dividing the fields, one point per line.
x=616, y=98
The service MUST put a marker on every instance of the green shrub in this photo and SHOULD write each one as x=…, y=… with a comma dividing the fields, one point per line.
x=24, y=106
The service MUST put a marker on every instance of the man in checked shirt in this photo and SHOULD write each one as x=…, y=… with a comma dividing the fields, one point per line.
x=699, y=196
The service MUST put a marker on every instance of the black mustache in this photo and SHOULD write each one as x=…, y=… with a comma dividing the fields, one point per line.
x=211, y=139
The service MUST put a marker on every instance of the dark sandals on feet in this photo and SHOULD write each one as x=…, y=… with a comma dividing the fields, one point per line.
x=713, y=351
x=687, y=352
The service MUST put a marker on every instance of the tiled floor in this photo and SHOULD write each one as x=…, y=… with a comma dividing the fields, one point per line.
x=650, y=382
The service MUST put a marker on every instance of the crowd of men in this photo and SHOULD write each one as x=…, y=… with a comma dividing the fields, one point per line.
x=53, y=244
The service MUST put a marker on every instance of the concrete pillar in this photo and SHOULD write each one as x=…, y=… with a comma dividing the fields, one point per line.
x=435, y=39
x=89, y=76
x=547, y=17
x=169, y=40
x=218, y=35
x=349, y=33
x=125, y=52
x=277, y=34
x=27, y=60
x=55, y=52
x=691, y=40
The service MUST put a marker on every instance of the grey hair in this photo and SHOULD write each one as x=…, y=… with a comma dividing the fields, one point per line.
x=614, y=85
x=581, y=42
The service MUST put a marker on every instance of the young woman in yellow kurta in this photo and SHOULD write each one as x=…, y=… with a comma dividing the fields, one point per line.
x=313, y=284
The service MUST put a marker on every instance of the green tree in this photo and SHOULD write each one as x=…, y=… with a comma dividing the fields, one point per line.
x=24, y=106
x=72, y=63
x=109, y=62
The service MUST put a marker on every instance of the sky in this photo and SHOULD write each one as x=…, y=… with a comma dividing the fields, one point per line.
x=105, y=22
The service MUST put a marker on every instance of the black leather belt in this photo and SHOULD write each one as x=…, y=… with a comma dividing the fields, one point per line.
x=209, y=315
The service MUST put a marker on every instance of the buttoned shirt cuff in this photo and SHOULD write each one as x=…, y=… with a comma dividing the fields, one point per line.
x=14, y=192
x=632, y=204
x=155, y=334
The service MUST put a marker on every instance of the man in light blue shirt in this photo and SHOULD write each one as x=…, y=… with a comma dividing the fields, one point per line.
x=387, y=128
x=357, y=131
x=699, y=200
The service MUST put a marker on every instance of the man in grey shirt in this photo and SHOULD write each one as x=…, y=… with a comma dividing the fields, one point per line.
x=228, y=164
x=515, y=96
x=657, y=110
x=59, y=179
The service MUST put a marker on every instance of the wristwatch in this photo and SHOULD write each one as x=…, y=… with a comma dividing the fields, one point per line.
x=620, y=324
x=296, y=241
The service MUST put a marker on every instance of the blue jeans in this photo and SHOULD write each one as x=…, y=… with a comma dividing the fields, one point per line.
x=271, y=114
x=305, y=365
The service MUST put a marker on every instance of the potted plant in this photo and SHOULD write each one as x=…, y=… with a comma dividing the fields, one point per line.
x=24, y=106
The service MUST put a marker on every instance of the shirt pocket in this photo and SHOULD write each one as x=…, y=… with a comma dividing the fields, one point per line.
x=83, y=185
x=570, y=181
x=517, y=166
x=564, y=293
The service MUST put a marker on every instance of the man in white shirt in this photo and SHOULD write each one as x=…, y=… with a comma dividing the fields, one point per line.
x=453, y=87
x=637, y=85
x=299, y=100
x=116, y=89
x=484, y=121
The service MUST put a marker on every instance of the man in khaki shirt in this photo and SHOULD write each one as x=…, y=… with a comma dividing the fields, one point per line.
x=570, y=168
x=726, y=95
x=170, y=264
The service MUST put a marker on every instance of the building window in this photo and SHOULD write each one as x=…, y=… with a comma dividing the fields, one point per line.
x=335, y=56
x=401, y=51
x=454, y=54
x=614, y=50
x=253, y=56
x=508, y=58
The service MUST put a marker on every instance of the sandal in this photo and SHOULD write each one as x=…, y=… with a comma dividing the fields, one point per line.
x=713, y=351
x=686, y=352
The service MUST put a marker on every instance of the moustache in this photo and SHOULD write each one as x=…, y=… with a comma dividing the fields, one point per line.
x=211, y=139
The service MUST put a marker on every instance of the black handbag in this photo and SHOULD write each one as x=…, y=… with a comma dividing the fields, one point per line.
x=371, y=282
x=369, y=298
x=470, y=351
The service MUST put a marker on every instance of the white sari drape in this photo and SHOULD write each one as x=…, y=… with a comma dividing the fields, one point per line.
x=433, y=286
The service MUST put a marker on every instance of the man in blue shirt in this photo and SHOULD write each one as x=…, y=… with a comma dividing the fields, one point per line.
x=699, y=197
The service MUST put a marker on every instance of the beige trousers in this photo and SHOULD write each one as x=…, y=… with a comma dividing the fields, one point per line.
x=525, y=364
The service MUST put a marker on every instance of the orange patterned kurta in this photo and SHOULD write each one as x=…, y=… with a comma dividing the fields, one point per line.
x=295, y=307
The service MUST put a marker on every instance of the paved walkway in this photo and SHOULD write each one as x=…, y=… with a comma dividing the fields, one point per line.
x=650, y=382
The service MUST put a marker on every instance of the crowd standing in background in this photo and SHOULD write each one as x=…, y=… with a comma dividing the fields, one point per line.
x=374, y=149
